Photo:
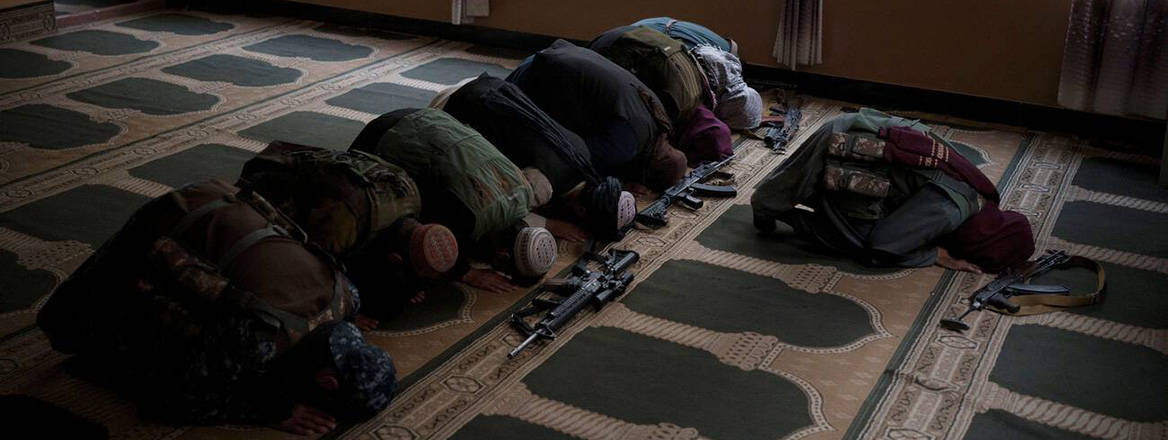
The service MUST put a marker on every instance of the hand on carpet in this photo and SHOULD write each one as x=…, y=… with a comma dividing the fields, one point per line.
x=566, y=231
x=306, y=420
x=949, y=262
x=488, y=280
x=637, y=189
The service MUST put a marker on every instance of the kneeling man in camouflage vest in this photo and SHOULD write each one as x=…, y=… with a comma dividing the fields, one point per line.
x=210, y=307
x=363, y=210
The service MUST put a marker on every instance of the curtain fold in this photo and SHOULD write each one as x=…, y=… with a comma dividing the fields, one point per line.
x=1116, y=58
x=464, y=11
x=800, y=34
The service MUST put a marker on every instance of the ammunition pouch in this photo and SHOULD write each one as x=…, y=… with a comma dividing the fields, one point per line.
x=841, y=177
x=389, y=193
x=857, y=147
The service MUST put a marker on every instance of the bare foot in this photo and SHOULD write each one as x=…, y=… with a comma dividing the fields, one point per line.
x=306, y=420
x=488, y=280
x=949, y=262
x=566, y=231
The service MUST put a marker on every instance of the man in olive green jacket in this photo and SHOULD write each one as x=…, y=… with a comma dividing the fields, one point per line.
x=470, y=187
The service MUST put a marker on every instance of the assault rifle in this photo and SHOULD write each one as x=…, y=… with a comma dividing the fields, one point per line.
x=997, y=293
x=777, y=136
x=684, y=192
x=584, y=287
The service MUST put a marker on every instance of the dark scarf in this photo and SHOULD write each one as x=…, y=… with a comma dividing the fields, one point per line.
x=993, y=239
x=495, y=107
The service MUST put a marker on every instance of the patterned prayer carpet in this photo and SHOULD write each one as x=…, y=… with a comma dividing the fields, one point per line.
x=724, y=335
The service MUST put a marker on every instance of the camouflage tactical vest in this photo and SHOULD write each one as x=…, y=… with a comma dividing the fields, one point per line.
x=662, y=63
x=343, y=198
x=205, y=279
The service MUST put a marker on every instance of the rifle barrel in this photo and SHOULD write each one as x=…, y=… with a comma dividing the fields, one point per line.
x=531, y=338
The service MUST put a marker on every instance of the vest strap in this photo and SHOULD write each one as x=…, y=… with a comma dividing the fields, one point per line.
x=247, y=242
x=188, y=220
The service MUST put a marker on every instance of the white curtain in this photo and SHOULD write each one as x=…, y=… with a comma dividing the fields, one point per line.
x=464, y=11
x=1116, y=58
x=800, y=36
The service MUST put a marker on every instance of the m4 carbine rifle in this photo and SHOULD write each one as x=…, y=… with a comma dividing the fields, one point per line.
x=585, y=286
x=997, y=293
x=684, y=192
x=777, y=136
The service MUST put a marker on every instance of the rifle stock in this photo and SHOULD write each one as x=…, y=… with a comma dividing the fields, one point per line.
x=589, y=287
x=654, y=215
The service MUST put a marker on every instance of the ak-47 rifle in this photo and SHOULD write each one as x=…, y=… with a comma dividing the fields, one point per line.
x=777, y=136
x=584, y=287
x=997, y=293
x=684, y=192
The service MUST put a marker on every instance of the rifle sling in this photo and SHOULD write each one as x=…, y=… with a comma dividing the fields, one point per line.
x=1047, y=303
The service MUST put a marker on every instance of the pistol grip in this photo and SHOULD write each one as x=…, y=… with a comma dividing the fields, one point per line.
x=1000, y=301
x=691, y=202
x=652, y=219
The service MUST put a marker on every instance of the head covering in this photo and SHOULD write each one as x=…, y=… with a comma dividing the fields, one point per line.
x=740, y=108
x=992, y=239
x=626, y=209
x=540, y=186
x=666, y=167
x=704, y=137
x=737, y=104
x=365, y=373
x=535, y=251
x=433, y=250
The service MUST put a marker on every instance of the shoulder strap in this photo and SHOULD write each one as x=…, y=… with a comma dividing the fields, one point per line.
x=247, y=242
x=188, y=220
x=1046, y=303
x=291, y=325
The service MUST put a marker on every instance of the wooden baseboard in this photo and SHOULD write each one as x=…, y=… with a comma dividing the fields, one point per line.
x=109, y=12
x=1131, y=134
